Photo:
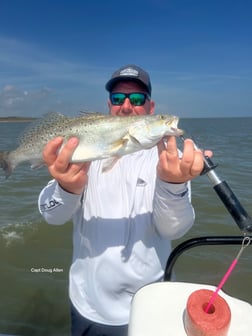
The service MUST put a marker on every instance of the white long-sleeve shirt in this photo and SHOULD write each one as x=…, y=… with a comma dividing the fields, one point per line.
x=123, y=224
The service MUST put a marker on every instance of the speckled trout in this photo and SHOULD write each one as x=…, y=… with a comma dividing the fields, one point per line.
x=100, y=137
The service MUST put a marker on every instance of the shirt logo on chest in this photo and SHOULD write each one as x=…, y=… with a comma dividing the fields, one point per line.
x=141, y=182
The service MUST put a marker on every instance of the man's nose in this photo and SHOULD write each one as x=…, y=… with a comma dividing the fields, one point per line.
x=127, y=107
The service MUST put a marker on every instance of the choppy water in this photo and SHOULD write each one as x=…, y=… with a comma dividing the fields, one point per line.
x=35, y=257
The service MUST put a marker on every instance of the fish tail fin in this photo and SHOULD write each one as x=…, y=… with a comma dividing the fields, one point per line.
x=5, y=164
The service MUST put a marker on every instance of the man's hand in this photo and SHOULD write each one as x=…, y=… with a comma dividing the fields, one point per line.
x=72, y=177
x=171, y=168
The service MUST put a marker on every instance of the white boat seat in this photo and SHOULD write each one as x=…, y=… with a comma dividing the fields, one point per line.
x=157, y=310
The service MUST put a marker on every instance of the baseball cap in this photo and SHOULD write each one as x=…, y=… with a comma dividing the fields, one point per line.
x=130, y=72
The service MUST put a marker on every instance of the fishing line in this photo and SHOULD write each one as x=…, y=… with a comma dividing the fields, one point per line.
x=234, y=208
x=246, y=242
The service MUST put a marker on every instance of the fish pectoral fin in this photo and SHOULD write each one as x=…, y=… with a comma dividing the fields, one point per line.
x=118, y=144
x=114, y=148
x=37, y=164
x=136, y=133
x=134, y=140
x=109, y=163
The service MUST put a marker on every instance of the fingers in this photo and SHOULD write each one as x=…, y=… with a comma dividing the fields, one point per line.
x=72, y=177
x=64, y=157
x=197, y=164
x=168, y=165
x=51, y=149
x=168, y=152
x=192, y=160
x=170, y=148
x=187, y=157
x=52, y=154
x=175, y=169
x=208, y=153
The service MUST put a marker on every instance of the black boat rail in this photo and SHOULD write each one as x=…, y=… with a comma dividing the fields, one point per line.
x=199, y=241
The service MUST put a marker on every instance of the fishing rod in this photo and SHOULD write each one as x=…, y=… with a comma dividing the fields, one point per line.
x=226, y=195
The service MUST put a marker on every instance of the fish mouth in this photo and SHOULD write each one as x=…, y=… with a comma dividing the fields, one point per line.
x=174, y=127
x=177, y=131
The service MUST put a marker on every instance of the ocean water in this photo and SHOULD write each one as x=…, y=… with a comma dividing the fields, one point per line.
x=35, y=257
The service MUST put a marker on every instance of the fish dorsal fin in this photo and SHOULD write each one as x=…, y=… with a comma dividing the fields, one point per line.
x=88, y=114
x=40, y=124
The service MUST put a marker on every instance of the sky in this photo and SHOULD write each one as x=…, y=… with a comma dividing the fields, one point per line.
x=57, y=55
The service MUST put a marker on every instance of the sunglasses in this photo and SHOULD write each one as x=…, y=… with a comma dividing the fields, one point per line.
x=135, y=98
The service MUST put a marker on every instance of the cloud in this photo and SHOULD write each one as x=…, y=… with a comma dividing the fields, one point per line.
x=21, y=62
x=17, y=102
x=33, y=81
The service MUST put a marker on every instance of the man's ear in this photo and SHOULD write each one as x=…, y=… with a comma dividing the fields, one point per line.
x=152, y=107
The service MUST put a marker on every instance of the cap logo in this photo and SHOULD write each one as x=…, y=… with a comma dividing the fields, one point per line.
x=129, y=72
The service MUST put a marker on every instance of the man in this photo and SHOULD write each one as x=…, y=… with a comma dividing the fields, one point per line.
x=124, y=219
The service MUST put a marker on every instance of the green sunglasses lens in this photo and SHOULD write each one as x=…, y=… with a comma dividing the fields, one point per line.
x=117, y=98
x=136, y=98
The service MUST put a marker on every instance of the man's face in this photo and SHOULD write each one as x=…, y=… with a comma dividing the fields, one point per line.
x=127, y=108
